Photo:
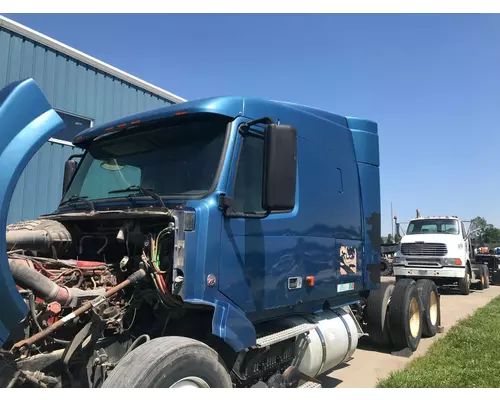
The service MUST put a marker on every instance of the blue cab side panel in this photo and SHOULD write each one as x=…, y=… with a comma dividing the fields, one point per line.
x=259, y=255
x=366, y=146
x=337, y=204
x=27, y=121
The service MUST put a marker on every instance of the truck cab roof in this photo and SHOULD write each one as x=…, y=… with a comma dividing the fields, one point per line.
x=439, y=217
x=229, y=106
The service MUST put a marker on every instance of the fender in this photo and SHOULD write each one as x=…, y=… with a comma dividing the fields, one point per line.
x=230, y=324
x=27, y=121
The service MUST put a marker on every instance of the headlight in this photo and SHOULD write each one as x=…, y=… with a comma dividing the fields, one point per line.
x=452, y=261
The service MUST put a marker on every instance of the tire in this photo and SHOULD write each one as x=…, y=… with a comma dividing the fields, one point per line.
x=429, y=297
x=405, y=315
x=487, y=277
x=464, y=284
x=387, y=270
x=163, y=362
x=481, y=285
x=383, y=269
x=375, y=314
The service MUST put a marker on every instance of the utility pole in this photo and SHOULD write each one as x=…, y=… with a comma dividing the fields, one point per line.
x=392, y=221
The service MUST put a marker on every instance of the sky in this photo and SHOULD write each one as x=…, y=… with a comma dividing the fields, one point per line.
x=431, y=82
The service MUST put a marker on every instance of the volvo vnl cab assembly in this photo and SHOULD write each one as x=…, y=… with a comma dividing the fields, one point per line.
x=224, y=242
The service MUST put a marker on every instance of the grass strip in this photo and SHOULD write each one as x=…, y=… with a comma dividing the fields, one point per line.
x=468, y=356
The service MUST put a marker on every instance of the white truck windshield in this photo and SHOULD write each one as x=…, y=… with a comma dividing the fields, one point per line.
x=422, y=226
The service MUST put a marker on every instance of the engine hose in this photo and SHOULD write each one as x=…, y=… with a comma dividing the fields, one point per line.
x=40, y=285
x=137, y=341
x=46, y=289
x=131, y=280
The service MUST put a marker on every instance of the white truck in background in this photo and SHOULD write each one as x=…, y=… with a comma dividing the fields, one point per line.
x=439, y=248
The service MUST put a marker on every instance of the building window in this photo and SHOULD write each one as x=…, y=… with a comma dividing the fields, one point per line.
x=74, y=125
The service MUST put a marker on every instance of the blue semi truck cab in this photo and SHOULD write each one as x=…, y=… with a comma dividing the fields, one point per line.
x=235, y=236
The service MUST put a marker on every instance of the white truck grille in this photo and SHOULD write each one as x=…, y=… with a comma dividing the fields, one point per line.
x=424, y=249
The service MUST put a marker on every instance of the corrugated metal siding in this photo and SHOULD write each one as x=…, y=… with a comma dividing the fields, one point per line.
x=69, y=86
x=40, y=186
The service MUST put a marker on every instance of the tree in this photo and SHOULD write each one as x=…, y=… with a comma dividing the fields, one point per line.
x=486, y=234
x=390, y=240
x=397, y=238
x=491, y=234
x=480, y=224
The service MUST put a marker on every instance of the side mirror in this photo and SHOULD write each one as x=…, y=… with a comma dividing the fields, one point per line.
x=280, y=167
x=69, y=171
x=472, y=233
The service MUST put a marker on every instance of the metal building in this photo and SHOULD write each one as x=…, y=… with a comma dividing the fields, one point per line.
x=83, y=90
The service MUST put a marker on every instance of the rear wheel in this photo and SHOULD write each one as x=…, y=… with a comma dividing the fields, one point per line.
x=170, y=362
x=405, y=315
x=375, y=314
x=486, y=277
x=431, y=307
x=464, y=284
x=481, y=284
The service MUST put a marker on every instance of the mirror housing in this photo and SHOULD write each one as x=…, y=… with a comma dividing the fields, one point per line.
x=472, y=233
x=280, y=168
x=69, y=170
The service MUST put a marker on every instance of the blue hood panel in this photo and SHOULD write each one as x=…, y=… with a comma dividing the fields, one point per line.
x=27, y=121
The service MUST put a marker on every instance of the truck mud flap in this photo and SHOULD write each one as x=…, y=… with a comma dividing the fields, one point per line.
x=27, y=121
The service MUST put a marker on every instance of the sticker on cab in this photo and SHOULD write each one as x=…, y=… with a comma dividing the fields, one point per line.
x=345, y=287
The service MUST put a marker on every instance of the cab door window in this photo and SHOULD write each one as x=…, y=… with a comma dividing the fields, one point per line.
x=247, y=194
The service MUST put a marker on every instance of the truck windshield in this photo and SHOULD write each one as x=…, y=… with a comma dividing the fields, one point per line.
x=179, y=161
x=447, y=226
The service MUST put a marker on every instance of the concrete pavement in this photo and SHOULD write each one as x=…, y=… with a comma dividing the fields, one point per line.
x=369, y=365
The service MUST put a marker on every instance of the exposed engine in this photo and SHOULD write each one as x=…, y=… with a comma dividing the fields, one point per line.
x=95, y=289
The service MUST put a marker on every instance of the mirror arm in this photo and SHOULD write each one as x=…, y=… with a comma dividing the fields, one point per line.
x=247, y=125
x=225, y=204
x=75, y=156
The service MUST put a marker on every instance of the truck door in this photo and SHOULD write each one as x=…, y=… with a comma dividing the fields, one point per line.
x=27, y=121
x=265, y=261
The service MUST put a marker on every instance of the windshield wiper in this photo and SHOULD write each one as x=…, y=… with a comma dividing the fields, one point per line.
x=145, y=191
x=74, y=198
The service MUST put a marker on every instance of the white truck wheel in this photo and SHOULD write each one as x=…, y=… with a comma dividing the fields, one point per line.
x=464, y=284
x=481, y=284
x=486, y=277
